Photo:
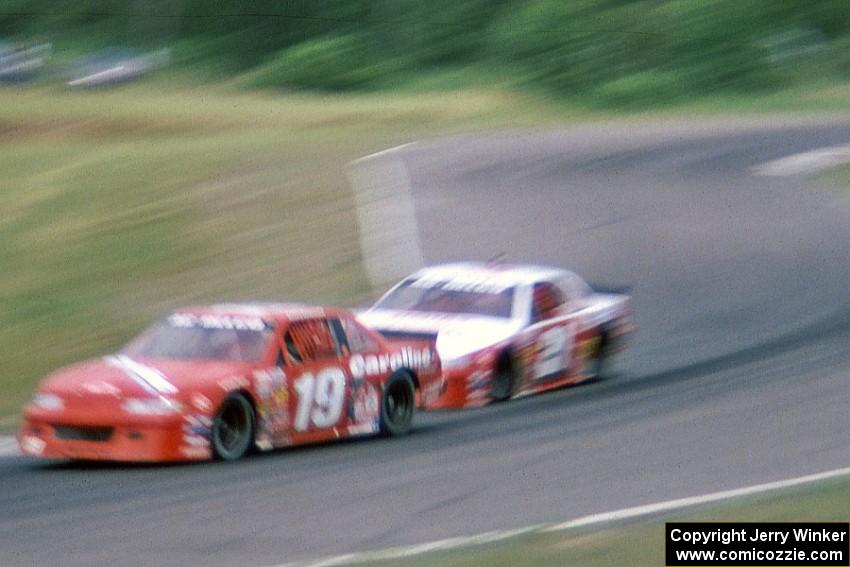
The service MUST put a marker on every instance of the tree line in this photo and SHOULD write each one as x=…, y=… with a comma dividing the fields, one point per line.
x=614, y=50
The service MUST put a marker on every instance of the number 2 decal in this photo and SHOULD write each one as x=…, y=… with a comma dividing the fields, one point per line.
x=555, y=346
x=319, y=398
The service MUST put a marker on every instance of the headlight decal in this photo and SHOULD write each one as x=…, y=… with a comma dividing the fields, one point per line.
x=48, y=401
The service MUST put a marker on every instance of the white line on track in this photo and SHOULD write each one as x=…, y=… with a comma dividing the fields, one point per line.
x=8, y=446
x=584, y=521
x=669, y=505
x=806, y=162
x=411, y=550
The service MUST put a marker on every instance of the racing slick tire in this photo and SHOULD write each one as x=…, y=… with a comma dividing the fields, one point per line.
x=598, y=360
x=398, y=405
x=504, y=379
x=232, y=432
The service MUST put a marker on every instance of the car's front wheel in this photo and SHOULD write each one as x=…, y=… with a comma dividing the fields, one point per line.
x=503, y=381
x=233, y=428
x=398, y=404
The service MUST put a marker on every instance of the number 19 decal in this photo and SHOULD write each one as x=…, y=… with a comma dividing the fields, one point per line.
x=319, y=398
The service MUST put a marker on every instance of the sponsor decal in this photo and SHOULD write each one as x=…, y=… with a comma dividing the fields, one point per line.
x=201, y=402
x=262, y=384
x=197, y=421
x=194, y=452
x=433, y=390
x=233, y=383
x=378, y=364
x=269, y=382
x=364, y=402
x=304, y=313
x=217, y=322
x=281, y=397
x=476, y=397
x=258, y=310
x=280, y=419
x=372, y=426
x=195, y=441
x=477, y=394
x=197, y=430
x=469, y=284
x=272, y=391
x=478, y=380
x=478, y=385
x=263, y=439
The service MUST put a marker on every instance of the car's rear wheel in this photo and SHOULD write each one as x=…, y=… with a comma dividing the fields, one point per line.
x=398, y=405
x=504, y=378
x=596, y=364
x=233, y=428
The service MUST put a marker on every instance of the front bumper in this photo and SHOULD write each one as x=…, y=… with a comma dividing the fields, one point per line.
x=146, y=440
x=464, y=388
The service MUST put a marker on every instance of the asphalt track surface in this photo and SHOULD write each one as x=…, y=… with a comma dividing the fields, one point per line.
x=739, y=374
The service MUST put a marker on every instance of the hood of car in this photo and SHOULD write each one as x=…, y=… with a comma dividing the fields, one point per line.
x=457, y=335
x=120, y=376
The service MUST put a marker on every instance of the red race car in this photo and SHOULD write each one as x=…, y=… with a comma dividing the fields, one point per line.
x=505, y=330
x=214, y=382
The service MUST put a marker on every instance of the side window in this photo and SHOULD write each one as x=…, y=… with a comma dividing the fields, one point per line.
x=339, y=336
x=358, y=338
x=310, y=340
x=546, y=300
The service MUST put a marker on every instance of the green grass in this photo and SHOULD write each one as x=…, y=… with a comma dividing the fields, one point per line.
x=640, y=542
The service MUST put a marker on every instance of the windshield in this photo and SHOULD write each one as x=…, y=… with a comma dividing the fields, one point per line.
x=434, y=296
x=191, y=337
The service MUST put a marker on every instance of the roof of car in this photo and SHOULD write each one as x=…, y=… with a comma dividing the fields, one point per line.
x=264, y=310
x=504, y=274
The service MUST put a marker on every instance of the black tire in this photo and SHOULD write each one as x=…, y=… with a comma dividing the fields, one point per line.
x=504, y=379
x=597, y=361
x=232, y=432
x=398, y=405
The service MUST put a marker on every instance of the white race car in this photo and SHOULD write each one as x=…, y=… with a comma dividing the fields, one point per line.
x=504, y=330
